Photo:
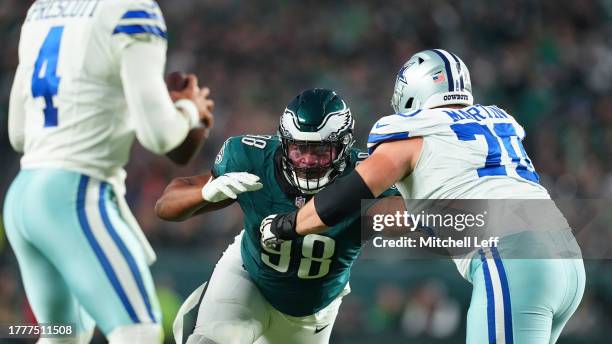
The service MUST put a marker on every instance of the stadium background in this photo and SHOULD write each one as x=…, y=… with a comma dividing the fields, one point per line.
x=548, y=62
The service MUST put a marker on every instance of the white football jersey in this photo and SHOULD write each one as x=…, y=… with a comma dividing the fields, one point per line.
x=469, y=153
x=474, y=152
x=68, y=91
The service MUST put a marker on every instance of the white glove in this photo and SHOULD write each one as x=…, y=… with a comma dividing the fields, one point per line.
x=268, y=239
x=230, y=185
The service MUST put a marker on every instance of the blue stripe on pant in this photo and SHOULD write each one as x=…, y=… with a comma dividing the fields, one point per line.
x=490, y=299
x=124, y=250
x=108, y=269
x=506, y=295
x=493, y=300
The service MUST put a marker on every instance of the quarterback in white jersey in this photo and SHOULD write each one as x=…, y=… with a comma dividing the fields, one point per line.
x=90, y=81
x=439, y=145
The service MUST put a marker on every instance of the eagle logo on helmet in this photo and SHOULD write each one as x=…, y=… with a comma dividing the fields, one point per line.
x=288, y=116
x=336, y=123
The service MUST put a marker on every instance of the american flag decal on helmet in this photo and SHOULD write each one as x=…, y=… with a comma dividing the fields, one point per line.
x=438, y=77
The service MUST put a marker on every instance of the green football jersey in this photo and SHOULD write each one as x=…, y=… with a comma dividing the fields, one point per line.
x=304, y=275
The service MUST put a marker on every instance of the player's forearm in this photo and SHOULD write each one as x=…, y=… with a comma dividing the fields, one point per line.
x=180, y=200
x=159, y=126
x=187, y=150
x=308, y=221
x=183, y=198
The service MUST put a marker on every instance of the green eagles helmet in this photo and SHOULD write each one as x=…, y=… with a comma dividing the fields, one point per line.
x=316, y=132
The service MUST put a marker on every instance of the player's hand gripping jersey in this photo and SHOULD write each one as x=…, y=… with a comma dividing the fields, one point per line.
x=473, y=152
x=82, y=66
x=302, y=276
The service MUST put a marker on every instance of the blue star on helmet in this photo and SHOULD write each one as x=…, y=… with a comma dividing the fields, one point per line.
x=401, y=76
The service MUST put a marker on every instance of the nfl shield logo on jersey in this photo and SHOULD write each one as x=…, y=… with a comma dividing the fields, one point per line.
x=300, y=201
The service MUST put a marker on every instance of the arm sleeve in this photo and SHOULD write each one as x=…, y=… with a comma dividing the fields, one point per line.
x=159, y=126
x=16, y=115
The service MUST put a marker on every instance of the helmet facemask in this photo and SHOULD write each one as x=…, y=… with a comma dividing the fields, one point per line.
x=311, y=165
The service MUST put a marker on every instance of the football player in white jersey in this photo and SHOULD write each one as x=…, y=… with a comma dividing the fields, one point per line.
x=439, y=145
x=90, y=81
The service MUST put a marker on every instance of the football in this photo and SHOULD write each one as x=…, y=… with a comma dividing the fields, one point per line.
x=176, y=81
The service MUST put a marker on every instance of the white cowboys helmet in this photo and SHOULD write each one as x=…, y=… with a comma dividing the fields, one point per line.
x=432, y=78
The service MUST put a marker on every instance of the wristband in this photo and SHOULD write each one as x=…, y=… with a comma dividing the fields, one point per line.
x=190, y=111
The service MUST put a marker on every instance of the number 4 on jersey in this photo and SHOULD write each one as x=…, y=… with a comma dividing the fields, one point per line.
x=45, y=81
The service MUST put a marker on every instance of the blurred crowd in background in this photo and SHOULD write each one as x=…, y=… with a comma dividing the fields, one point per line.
x=549, y=63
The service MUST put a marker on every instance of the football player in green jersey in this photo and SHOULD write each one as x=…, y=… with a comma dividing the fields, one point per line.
x=290, y=293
